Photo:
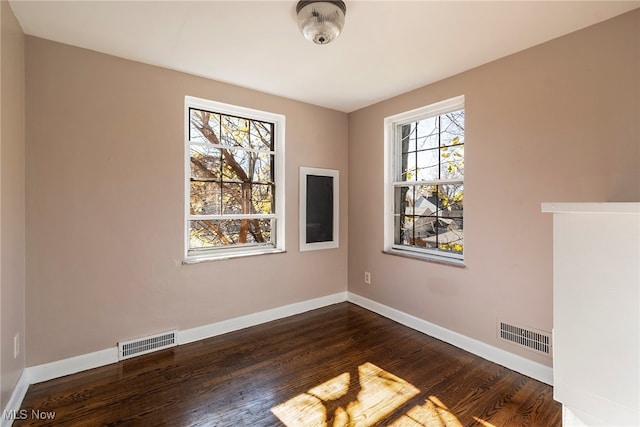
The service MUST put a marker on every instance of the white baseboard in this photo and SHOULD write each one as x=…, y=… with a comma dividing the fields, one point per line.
x=15, y=401
x=207, y=331
x=72, y=365
x=501, y=357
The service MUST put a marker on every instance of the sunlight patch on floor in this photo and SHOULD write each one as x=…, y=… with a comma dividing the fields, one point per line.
x=360, y=399
x=433, y=413
x=483, y=422
x=332, y=389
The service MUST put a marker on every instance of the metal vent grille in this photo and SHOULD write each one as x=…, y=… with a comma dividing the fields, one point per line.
x=532, y=339
x=145, y=345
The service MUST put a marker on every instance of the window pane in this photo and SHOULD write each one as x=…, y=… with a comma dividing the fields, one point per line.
x=234, y=201
x=261, y=135
x=408, y=167
x=205, y=198
x=236, y=166
x=261, y=165
x=452, y=162
x=205, y=163
x=452, y=128
x=408, y=137
x=450, y=236
x=403, y=213
x=235, y=132
x=451, y=200
x=260, y=231
x=204, y=126
x=262, y=199
x=405, y=235
x=403, y=200
x=426, y=200
x=427, y=133
x=205, y=234
x=424, y=231
x=450, y=223
x=398, y=230
x=427, y=165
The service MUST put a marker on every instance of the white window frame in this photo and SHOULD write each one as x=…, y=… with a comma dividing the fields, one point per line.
x=278, y=238
x=391, y=162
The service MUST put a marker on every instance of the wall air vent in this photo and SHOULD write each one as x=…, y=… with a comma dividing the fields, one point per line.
x=532, y=339
x=137, y=347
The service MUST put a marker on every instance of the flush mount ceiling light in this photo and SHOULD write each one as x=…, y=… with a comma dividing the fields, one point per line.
x=321, y=21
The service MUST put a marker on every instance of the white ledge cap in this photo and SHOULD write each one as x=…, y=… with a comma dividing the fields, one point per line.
x=605, y=207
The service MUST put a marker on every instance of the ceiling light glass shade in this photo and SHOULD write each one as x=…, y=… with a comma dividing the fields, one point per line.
x=321, y=21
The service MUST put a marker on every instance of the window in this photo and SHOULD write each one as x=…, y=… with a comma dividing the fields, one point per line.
x=424, y=183
x=234, y=180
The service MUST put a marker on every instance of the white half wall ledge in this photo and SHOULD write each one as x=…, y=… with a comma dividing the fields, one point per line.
x=591, y=208
x=72, y=365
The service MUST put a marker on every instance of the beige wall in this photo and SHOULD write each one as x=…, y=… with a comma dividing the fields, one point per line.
x=105, y=196
x=12, y=200
x=558, y=122
x=105, y=192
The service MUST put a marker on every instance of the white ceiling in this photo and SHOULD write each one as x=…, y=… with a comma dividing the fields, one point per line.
x=387, y=47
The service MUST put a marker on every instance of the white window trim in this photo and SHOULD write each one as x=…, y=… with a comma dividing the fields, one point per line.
x=279, y=134
x=391, y=153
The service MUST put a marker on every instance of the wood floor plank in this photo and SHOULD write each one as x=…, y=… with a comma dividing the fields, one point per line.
x=339, y=365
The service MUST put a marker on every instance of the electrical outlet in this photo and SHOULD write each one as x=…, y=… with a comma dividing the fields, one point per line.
x=16, y=345
x=367, y=277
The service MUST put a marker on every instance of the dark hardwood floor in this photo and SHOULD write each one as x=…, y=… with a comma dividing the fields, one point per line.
x=339, y=365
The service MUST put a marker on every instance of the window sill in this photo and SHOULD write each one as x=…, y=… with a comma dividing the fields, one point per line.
x=225, y=256
x=428, y=258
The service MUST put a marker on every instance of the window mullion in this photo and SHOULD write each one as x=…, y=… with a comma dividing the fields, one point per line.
x=427, y=182
x=193, y=217
x=438, y=213
x=228, y=147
